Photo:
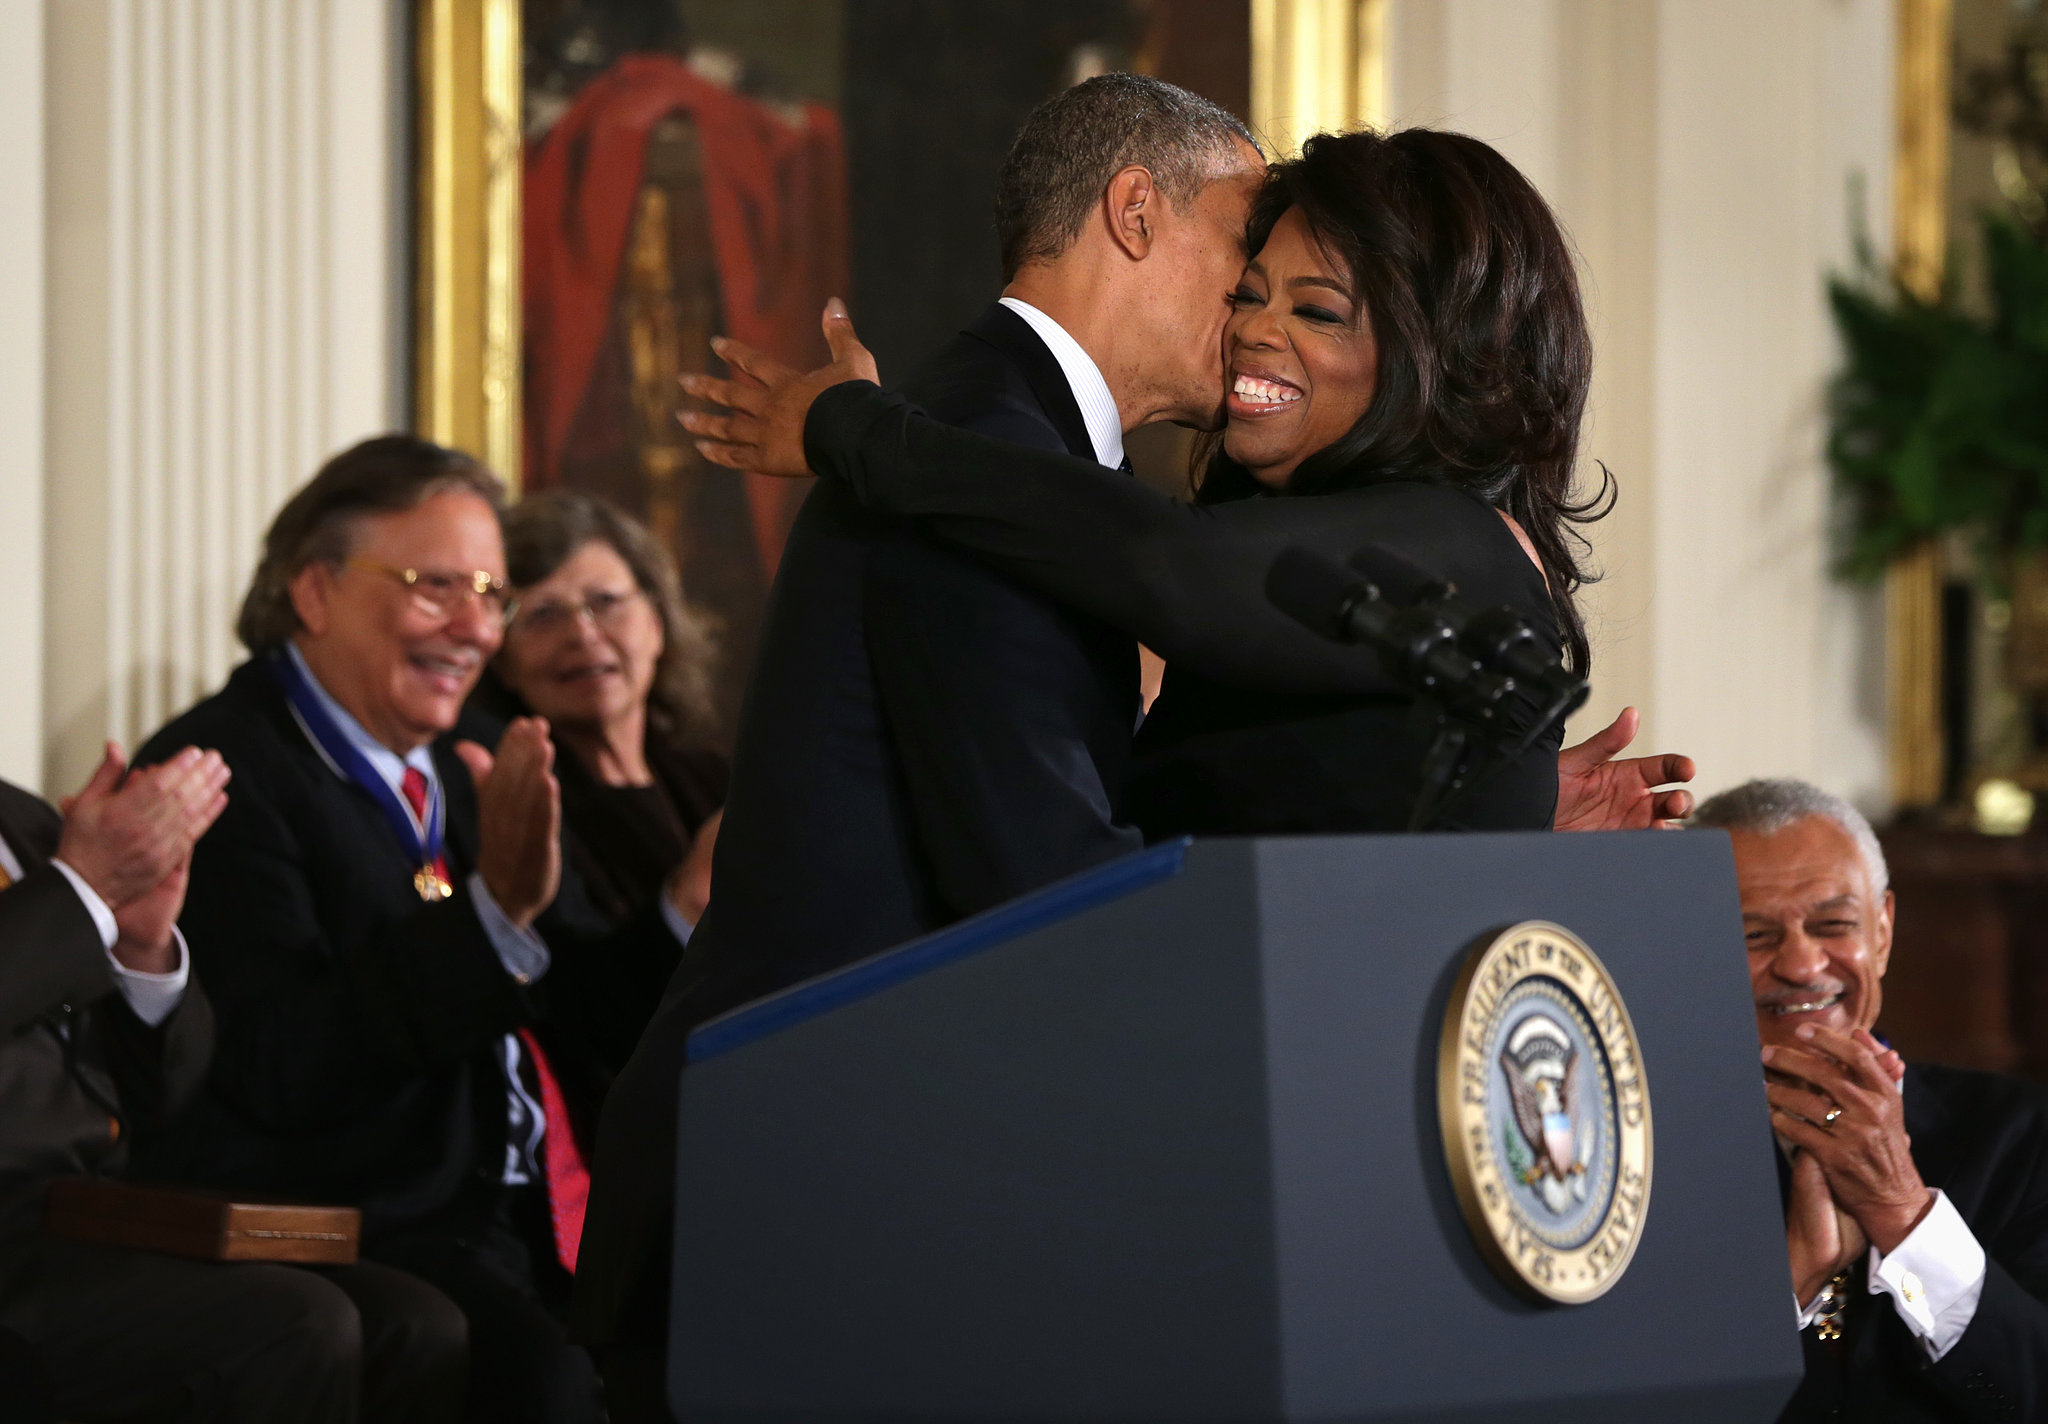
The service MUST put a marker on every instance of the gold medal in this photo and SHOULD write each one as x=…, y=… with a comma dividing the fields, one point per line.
x=431, y=885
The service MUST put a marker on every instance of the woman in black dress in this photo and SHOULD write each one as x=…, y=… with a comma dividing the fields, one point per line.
x=1408, y=365
x=603, y=646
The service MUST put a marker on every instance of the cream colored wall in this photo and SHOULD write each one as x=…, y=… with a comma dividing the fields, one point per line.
x=225, y=298
x=21, y=394
x=1702, y=155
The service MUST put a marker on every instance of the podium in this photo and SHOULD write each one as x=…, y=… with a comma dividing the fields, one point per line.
x=1162, y=1142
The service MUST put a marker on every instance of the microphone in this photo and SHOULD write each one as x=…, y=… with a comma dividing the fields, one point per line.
x=1461, y=662
x=1497, y=638
x=1415, y=642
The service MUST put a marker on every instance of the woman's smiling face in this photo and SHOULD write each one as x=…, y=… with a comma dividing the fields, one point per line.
x=1301, y=356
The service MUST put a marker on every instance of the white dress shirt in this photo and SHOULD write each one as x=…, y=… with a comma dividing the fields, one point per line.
x=151, y=996
x=1084, y=378
x=522, y=951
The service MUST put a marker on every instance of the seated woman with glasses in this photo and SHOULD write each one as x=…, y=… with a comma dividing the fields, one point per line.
x=601, y=644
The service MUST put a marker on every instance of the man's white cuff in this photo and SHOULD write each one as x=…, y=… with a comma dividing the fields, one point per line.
x=523, y=952
x=152, y=997
x=102, y=914
x=1935, y=1277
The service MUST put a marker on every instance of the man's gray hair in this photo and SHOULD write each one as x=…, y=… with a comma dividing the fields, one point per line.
x=1076, y=141
x=1768, y=805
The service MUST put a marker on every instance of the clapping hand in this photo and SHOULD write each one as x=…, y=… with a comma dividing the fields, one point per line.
x=1820, y=1238
x=126, y=834
x=1838, y=1100
x=144, y=926
x=519, y=815
x=766, y=401
x=1597, y=793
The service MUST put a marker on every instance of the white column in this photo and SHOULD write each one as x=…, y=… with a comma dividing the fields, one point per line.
x=1702, y=158
x=225, y=290
x=21, y=394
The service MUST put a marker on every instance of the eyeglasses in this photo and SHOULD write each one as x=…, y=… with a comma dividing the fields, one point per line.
x=604, y=605
x=441, y=592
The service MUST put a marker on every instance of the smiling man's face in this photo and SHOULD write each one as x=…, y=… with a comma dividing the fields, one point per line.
x=401, y=667
x=1819, y=931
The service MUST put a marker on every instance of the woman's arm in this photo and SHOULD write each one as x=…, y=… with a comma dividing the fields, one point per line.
x=1187, y=580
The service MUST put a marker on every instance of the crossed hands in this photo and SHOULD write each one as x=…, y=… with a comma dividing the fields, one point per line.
x=1854, y=1185
x=130, y=836
x=519, y=819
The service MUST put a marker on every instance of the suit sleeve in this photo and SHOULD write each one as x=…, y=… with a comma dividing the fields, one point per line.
x=50, y=950
x=1186, y=580
x=156, y=1067
x=1998, y=1370
x=315, y=1029
x=1006, y=795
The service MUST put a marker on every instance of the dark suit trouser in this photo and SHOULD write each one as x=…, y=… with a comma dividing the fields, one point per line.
x=495, y=1259
x=137, y=1335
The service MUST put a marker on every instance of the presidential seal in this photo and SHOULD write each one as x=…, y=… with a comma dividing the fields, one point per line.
x=1545, y=1113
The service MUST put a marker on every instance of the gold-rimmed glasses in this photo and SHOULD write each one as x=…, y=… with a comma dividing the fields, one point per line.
x=440, y=592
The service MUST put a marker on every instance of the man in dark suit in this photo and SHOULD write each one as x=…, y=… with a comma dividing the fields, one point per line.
x=874, y=797
x=370, y=914
x=1916, y=1196
x=103, y=1034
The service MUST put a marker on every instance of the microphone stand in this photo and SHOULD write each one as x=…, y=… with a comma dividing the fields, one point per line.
x=1461, y=663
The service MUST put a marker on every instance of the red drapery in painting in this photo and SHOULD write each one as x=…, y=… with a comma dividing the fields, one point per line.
x=776, y=192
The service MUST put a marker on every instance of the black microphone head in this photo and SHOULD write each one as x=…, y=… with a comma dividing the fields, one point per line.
x=1398, y=578
x=1313, y=590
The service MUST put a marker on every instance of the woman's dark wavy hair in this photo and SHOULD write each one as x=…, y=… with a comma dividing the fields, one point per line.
x=1484, y=355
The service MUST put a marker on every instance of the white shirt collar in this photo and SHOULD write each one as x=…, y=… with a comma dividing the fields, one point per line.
x=388, y=763
x=1084, y=378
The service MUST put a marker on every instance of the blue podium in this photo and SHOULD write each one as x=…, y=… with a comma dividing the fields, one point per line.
x=1163, y=1142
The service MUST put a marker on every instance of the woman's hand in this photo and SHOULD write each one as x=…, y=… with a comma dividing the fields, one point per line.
x=765, y=402
x=689, y=884
x=1597, y=793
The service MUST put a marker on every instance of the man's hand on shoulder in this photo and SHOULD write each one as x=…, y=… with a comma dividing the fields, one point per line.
x=126, y=834
x=1597, y=793
x=766, y=402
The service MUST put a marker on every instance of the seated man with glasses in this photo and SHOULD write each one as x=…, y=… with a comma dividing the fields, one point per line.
x=1916, y=1196
x=370, y=918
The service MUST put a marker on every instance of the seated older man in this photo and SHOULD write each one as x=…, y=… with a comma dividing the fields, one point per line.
x=398, y=1019
x=1916, y=1196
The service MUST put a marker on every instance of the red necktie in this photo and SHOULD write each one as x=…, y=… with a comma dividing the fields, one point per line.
x=562, y=1161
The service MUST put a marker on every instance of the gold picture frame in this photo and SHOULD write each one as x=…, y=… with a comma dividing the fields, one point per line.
x=1314, y=64
x=1913, y=730
x=466, y=364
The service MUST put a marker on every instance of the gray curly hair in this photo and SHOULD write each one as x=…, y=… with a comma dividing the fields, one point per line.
x=1768, y=805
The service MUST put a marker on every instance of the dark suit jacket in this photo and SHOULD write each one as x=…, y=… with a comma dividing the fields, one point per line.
x=1983, y=1139
x=359, y=1026
x=922, y=739
x=80, y=1075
